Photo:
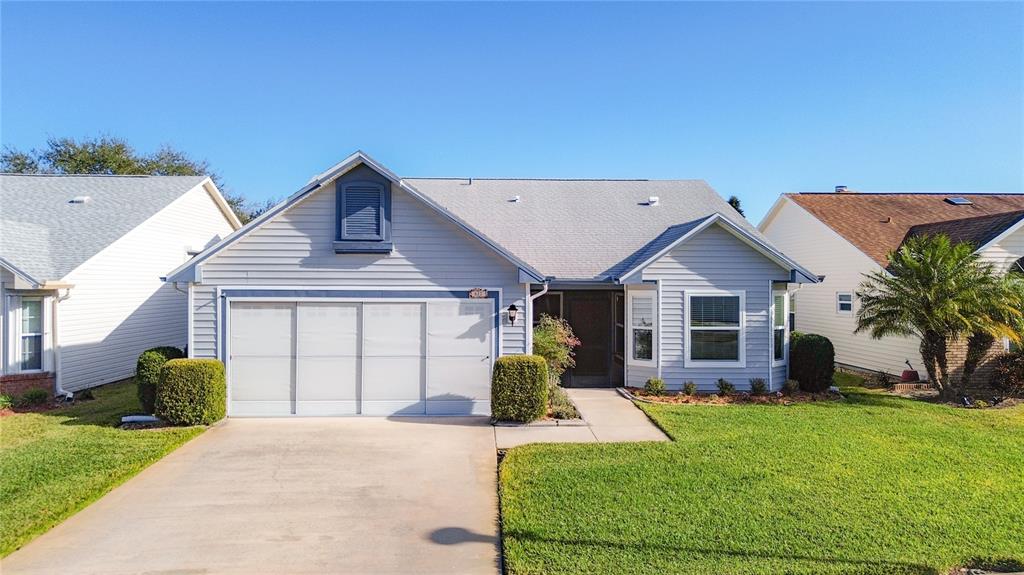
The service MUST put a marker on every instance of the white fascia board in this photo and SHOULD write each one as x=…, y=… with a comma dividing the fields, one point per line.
x=26, y=281
x=772, y=212
x=1002, y=236
x=218, y=198
x=741, y=234
x=181, y=272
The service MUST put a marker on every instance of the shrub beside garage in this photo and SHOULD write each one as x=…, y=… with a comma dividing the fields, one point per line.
x=519, y=388
x=147, y=373
x=191, y=392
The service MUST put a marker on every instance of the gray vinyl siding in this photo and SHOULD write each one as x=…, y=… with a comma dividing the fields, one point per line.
x=779, y=376
x=714, y=259
x=637, y=375
x=295, y=249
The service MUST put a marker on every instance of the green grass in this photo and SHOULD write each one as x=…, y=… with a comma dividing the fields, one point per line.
x=55, y=463
x=872, y=484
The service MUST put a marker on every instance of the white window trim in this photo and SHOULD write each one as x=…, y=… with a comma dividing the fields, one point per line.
x=18, y=335
x=655, y=329
x=742, y=361
x=785, y=327
x=841, y=311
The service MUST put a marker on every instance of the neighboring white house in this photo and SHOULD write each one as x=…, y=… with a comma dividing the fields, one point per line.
x=367, y=293
x=845, y=235
x=81, y=261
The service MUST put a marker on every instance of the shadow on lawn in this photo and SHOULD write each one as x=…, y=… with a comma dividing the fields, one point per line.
x=901, y=567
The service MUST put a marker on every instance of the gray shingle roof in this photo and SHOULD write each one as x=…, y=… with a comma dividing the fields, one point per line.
x=46, y=237
x=578, y=229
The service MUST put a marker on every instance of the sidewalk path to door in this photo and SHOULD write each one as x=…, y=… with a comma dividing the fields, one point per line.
x=609, y=417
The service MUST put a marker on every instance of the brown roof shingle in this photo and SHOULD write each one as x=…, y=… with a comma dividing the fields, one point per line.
x=878, y=223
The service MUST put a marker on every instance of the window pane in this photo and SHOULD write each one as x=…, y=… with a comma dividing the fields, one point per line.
x=780, y=310
x=31, y=316
x=32, y=352
x=780, y=340
x=643, y=344
x=643, y=311
x=715, y=345
x=711, y=311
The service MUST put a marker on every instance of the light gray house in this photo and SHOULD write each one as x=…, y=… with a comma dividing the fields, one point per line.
x=81, y=259
x=367, y=293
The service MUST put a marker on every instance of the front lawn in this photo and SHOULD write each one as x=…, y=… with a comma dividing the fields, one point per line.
x=872, y=484
x=52, y=464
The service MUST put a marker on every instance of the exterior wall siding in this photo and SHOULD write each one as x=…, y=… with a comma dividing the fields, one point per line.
x=295, y=249
x=119, y=307
x=714, y=260
x=810, y=242
x=1003, y=254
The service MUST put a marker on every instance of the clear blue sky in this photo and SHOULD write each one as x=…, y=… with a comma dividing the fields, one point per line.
x=757, y=99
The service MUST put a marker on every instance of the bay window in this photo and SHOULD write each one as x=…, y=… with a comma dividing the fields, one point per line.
x=714, y=329
x=641, y=326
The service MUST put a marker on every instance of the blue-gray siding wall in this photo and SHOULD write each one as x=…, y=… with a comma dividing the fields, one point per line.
x=714, y=260
x=295, y=249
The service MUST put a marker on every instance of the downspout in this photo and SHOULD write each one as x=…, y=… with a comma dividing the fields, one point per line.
x=529, y=311
x=58, y=368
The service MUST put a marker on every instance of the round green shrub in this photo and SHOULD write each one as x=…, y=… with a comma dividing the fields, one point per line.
x=191, y=392
x=812, y=362
x=147, y=373
x=690, y=388
x=519, y=388
x=758, y=386
x=1008, y=374
x=725, y=387
x=655, y=386
x=34, y=396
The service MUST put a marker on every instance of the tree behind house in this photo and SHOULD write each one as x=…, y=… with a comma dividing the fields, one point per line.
x=941, y=293
x=114, y=156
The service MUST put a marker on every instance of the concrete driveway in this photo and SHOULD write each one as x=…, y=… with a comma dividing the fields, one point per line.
x=332, y=495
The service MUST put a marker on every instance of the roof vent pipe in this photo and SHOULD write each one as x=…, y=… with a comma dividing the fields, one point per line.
x=652, y=201
x=79, y=200
x=514, y=199
x=841, y=189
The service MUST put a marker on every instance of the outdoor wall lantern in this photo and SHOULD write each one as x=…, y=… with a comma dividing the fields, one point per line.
x=512, y=312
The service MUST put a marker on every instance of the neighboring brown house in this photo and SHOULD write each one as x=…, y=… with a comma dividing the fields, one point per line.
x=845, y=235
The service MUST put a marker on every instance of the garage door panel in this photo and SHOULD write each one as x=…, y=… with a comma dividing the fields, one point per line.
x=456, y=378
x=261, y=329
x=328, y=329
x=392, y=378
x=459, y=328
x=393, y=329
x=261, y=378
x=327, y=378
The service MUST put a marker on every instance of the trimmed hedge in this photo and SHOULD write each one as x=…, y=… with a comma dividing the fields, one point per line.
x=147, y=373
x=191, y=392
x=519, y=388
x=812, y=361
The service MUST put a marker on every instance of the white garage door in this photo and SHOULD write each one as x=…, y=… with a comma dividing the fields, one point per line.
x=347, y=358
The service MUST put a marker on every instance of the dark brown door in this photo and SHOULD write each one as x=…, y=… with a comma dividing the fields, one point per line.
x=589, y=314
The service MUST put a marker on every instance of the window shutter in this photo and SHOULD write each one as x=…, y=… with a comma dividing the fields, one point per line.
x=362, y=211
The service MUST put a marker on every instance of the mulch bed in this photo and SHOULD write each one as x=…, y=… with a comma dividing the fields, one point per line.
x=29, y=409
x=679, y=398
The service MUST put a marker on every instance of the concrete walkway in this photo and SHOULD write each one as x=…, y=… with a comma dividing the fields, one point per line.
x=305, y=495
x=609, y=417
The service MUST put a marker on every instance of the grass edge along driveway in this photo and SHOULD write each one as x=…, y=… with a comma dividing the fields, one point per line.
x=54, y=464
x=873, y=484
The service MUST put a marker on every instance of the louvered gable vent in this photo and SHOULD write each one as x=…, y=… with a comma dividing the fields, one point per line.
x=362, y=207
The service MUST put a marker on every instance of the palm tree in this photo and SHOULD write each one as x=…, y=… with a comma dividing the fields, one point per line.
x=940, y=292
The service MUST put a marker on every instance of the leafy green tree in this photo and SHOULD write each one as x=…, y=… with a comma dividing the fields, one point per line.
x=114, y=156
x=735, y=203
x=940, y=292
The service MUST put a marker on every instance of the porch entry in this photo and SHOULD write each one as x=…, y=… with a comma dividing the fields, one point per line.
x=597, y=318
